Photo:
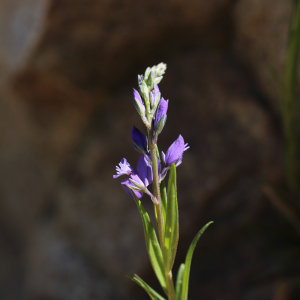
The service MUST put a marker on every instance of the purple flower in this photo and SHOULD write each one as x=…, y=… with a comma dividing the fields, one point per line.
x=173, y=155
x=137, y=182
x=139, y=140
x=123, y=169
x=155, y=96
x=144, y=170
x=161, y=116
x=138, y=103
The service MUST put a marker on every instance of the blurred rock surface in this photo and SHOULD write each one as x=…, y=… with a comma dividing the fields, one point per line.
x=260, y=41
x=68, y=68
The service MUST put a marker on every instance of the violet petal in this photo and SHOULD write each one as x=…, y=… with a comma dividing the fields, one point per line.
x=161, y=112
x=174, y=152
x=139, y=140
x=138, y=102
x=126, y=184
x=155, y=96
x=124, y=168
x=144, y=170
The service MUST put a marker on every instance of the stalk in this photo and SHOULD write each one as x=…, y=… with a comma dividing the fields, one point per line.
x=156, y=188
x=170, y=283
x=289, y=107
x=160, y=220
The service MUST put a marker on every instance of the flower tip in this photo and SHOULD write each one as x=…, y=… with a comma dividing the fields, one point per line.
x=135, y=93
x=186, y=146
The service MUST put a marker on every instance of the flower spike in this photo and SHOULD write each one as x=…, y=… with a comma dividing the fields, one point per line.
x=152, y=169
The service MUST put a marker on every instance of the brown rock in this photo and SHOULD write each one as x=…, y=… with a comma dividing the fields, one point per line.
x=55, y=270
x=11, y=269
x=66, y=114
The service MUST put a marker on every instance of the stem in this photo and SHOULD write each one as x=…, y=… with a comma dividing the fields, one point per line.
x=158, y=206
x=290, y=108
x=156, y=187
x=170, y=283
x=160, y=220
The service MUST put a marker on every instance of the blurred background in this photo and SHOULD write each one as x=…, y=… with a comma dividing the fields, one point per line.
x=68, y=231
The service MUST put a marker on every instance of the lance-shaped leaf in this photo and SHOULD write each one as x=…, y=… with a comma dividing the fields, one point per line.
x=188, y=260
x=152, y=293
x=171, y=227
x=152, y=244
x=163, y=195
x=179, y=280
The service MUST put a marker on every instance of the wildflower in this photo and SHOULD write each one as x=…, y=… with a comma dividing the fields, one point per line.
x=137, y=182
x=173, y=155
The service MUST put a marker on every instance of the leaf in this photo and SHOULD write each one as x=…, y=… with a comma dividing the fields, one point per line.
x=152, y=293
x=171, y=227
x=163, y=194
x=152, y=244
x=188, y=260
x=179, y=281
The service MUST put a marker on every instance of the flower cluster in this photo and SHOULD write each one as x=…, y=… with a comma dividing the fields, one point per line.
x=153, y=111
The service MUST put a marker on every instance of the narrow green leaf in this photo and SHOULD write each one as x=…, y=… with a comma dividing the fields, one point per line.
x=163, y=194
x=157, y=153
x=152, y=244
x=152, y=293
x=188, y=260
x=171, y=227
x=155, y=214
x=179, y=280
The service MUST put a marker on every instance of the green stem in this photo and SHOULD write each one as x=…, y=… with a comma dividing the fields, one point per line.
x=156, y=188
x=160, y=219
x=170, y=283
x=289, y=105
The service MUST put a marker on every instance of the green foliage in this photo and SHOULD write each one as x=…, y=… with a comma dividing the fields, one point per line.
x=153, y=295
x=163, y=194
x=152, y=244
x=188, y=260
x=179, y=281
x=171, y=227
x=290, y=103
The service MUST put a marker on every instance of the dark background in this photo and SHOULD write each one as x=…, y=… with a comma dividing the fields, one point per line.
x=68, y=231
